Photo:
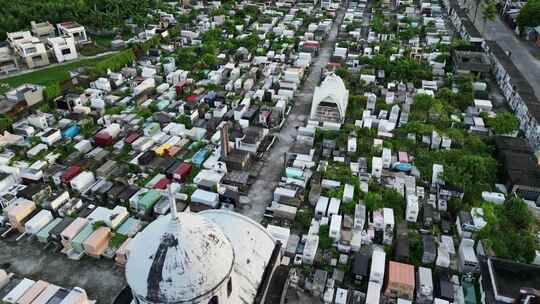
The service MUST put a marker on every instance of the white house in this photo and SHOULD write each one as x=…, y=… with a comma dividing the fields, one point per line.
x=8, y=61
x=29, y=48
x=73, y=29
x=63, y=48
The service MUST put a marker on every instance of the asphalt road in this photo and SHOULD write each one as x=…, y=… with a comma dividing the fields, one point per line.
x=261, y=192
x=498, y=31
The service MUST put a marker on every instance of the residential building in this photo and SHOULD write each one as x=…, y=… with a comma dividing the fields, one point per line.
x=42, y=30
x=29, y=49
x=63, y=48
x=8, y=61
x=74, y=30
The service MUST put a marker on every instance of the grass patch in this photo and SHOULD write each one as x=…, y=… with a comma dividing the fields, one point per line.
x=92, y=50
x=117, y=240
x=325, y=242
x=104, y=41
x=50, y=75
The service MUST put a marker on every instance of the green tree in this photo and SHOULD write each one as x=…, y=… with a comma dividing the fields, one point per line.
x=509, y=231
x=325, y=242
x=503, y=123
x=185, y=57
x=489, y=12
x=52, y=91
x=250, y=42
x=89, y=129
x=529, y=15
x=472, y=173
x=144, y=113
x=184, y=119
x=303, y=219
x=422, y=103
x=393, y=200
x=356, y=106
x=518, y=213
x=113, y=63
x=97, y=14
x=373, y=201
x=348, y=208
x=456, y=135
x=343, y=73
x=445, y=94
x=418, y=128
x=465, y=97
x=5, y=122
x=475, y=145
x=209, y=60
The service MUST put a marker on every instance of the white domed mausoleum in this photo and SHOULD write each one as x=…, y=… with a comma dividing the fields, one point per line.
x=330, y=100
x=211, y=257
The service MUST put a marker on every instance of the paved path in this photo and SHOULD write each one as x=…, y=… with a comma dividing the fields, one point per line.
x=261, y=192
x=498, y=31
x=101, y=279
x=366, y=21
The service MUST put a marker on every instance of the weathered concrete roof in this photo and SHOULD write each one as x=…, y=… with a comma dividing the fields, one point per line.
x=253, y=247
x=179, y=260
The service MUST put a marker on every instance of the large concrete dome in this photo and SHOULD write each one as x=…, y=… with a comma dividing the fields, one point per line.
x=181, y=260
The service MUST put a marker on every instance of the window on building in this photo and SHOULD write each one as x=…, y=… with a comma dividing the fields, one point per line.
x=214, y=300
x=229, y=287
x=66, y=51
